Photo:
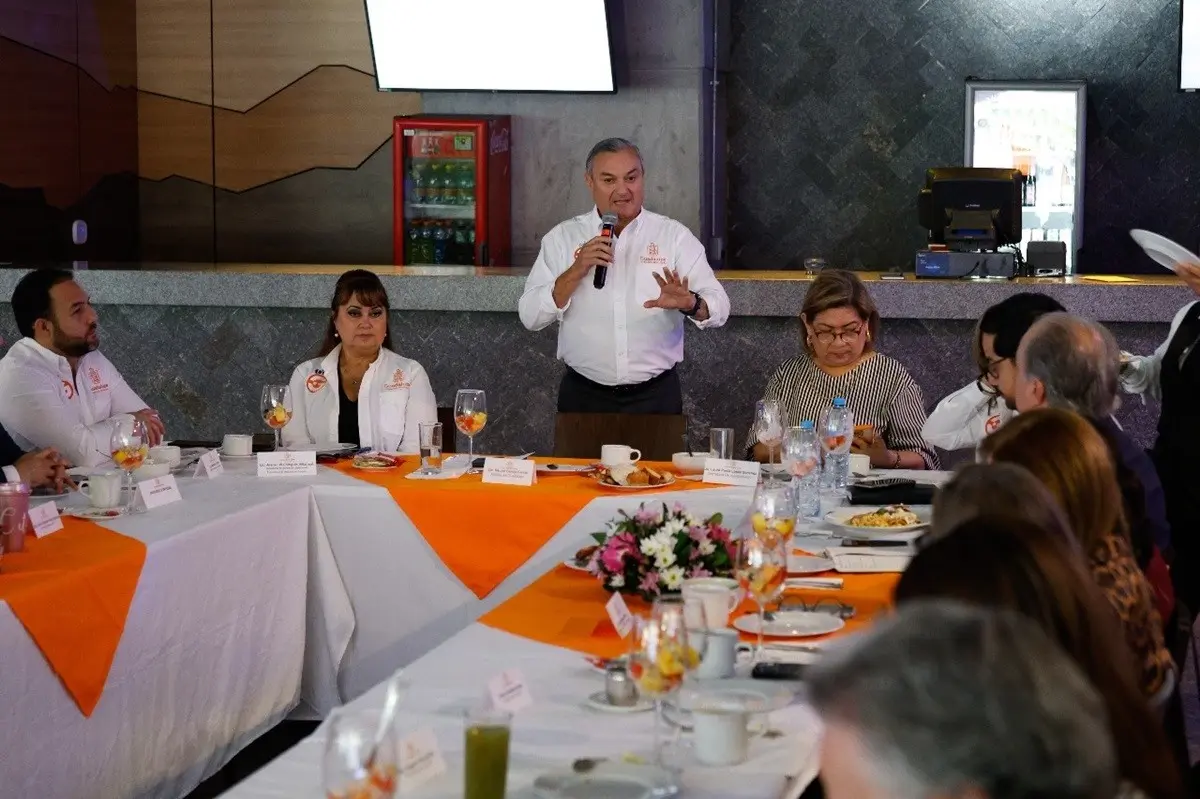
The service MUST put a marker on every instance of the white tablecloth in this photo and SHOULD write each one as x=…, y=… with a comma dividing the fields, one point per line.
x=552, y=733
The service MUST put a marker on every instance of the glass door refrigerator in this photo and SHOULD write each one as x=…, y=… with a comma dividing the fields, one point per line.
x=451, y=190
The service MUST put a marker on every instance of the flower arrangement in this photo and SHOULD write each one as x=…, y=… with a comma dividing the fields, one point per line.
x=651, y=553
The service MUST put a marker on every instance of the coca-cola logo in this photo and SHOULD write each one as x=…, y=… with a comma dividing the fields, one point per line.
x=498, y=142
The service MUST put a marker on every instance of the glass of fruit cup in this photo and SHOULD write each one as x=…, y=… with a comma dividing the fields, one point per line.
x=761, y=570
x=129, y=447
x=470, y=416
x=353, y=768
x=661, y=657
x=277, y=410
x=773, y=511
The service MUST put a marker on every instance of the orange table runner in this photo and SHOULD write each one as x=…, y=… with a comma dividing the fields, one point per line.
x=566, y=608
x=485, y=532
x=72, y=590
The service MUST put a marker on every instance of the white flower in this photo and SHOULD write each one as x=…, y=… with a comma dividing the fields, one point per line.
x=616, y=581
x=672, y=528
x=708, y=547
x=672, y=578
x=664, y=559
x=650, y=546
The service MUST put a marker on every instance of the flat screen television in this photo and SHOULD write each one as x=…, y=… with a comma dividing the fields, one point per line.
x=482, y=45
x=1189, y=46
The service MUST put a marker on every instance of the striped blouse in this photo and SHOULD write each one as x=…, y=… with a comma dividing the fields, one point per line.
x=878, y=391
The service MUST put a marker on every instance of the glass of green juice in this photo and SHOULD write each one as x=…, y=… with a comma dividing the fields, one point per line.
x=487, y=732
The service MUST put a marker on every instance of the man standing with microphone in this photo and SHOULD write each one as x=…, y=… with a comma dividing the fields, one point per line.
x=620, y=280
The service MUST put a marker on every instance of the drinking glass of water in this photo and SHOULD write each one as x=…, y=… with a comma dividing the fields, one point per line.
x=431, y=447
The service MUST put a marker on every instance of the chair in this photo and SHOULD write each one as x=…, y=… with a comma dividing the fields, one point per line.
x=449, y=431
x=580, y=435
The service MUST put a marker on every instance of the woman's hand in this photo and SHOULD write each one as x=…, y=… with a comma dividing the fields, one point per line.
x=870, y=443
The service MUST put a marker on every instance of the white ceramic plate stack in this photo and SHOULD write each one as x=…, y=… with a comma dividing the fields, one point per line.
x=1164, y=251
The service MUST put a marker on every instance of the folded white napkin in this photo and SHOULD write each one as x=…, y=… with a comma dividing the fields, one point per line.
x=444, y=474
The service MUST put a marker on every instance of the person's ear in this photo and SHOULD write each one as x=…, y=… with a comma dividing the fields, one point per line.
x=43, y=327
x=1039, y=391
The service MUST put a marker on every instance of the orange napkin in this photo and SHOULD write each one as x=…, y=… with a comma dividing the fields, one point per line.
x=72, y=591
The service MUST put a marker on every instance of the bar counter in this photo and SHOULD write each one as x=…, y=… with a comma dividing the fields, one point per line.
x=198, y=341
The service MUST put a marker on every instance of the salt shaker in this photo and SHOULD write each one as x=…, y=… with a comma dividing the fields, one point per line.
x=619, y=688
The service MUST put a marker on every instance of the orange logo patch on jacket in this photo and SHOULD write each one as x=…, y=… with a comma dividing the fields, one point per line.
x=316, y=382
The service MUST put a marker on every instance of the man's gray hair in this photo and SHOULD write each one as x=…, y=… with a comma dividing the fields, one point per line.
x=1077, y=360
x=613, y=145
x=945, y=697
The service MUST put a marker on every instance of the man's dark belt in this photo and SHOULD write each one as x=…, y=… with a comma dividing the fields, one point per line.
x=628, y=389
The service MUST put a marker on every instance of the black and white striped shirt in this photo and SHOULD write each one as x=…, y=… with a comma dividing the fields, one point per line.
x=878, y=391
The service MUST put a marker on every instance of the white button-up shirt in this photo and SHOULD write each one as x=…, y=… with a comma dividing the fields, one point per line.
x=42, y=404
x=605, y=334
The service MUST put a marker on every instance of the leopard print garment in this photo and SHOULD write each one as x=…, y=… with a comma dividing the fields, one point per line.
x=1130, y=594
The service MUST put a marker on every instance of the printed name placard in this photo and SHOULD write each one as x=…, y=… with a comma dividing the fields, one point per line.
x=44, y=519
x=210, y=465
x=420, y=760
x=731, y=473
x=159, y=491
x=509, y=471
x=509, y=692
x=618, y=613
x=287, y=464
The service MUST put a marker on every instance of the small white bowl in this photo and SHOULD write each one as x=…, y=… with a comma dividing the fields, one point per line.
x=689, y=462
x=165, y=453
x=150, y=469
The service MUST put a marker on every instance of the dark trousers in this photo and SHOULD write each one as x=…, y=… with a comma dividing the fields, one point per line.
x=661, y=394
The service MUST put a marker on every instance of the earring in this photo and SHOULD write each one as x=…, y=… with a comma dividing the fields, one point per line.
x=808, y=341
x=335, y=334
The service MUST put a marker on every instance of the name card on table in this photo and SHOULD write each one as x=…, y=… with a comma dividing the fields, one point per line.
x=509, y=471
x=509, y=692
x=731, y=473
x=287, y=464
x=618, y=613
x=420, y=760
x=44, y=519
x=209, y=465
x=159, y=491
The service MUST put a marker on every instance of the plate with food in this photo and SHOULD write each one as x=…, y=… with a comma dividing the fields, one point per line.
x=887, y=521
x=581, y=558
x=95, y=514
x=375, y=462
x=632, y=477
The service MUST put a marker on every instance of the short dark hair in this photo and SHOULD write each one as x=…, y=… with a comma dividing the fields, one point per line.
x=31, y=297
x=1010, y=319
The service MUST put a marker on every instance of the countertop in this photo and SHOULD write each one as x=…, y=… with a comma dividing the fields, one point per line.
x=1106, y=298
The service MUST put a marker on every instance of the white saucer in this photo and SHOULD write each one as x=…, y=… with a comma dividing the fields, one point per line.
x=95, y=514
x=1164, y=251
x=791, y=624
x=808, y=564
x=599, y=701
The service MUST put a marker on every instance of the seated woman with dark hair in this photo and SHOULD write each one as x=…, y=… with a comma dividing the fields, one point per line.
x=1010, y=563
x=982, y=489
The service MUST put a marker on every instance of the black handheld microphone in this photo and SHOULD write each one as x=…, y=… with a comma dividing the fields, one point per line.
x=608, y=230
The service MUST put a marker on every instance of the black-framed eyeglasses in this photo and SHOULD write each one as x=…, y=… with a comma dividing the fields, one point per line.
x=992, y=366
x=829, y=336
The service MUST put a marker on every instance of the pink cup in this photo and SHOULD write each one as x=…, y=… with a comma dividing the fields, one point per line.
x=14, y=515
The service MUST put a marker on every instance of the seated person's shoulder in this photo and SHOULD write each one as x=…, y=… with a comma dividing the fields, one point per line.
x=889, y=369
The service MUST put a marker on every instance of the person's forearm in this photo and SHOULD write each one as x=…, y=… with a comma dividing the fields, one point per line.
x=905, y=459
x=565, y=285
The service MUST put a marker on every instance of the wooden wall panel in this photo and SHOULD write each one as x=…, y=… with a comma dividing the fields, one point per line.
x=174, y=49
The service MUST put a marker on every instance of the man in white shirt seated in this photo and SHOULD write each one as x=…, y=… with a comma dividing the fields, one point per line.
x=56, y=390
x=621, y=341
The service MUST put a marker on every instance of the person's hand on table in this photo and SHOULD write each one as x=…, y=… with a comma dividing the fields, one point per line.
x=870, y=443
x=155, y=430
x=1191, y=275
x=44, y=467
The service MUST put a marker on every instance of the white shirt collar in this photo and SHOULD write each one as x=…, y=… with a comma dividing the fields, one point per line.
x=49, y=356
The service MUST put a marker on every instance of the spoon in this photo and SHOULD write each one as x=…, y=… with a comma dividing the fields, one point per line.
x=386, y=718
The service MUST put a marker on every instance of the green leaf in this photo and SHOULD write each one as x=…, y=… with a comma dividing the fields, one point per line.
x=715, y=519
x=599, y=538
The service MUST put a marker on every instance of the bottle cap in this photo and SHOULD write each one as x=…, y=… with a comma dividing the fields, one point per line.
x=807, y=424
x=839, y=402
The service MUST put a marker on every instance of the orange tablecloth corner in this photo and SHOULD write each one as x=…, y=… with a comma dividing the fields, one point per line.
x=520, y=519
x=72, y=591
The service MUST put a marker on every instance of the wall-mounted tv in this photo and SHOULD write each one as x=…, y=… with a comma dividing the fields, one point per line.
x=482, y=45
x=1189, y=46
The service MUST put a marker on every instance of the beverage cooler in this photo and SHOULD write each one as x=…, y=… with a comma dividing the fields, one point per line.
x=451, y=190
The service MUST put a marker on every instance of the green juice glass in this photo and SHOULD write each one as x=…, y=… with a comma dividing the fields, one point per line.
x=487, y=733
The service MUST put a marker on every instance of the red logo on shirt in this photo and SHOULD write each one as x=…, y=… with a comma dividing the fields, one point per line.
x=652, y=256
x=68, y=389
x=97, y=385
x=397, y=382
x=315, y=383
x=991, y=425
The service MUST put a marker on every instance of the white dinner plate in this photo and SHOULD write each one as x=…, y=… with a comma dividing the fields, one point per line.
x=95, y=514
x=838, y=518
x=1164, y=251
x=734, y=695
x=610, y=779
x=791, y=624
x=808, y=564
x=670, y=481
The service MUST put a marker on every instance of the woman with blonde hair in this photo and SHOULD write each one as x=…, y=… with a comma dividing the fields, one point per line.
x=841, y=328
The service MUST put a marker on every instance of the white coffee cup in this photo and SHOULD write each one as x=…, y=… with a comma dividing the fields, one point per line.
x=719, y=649
x=150, y=469
x=102, y=490
x=237, y=444
x=860, y=464
x=618, y=454
x=717, y=596
x=721, y=739
x=165, y=453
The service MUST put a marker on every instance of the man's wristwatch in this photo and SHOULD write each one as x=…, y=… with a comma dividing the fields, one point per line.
x=696, y=306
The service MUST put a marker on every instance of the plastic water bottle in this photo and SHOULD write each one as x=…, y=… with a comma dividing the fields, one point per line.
x=837, y=433
x=441, y=240
x=803, y=454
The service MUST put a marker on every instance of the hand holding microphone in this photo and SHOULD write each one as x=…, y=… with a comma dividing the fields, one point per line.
x=608, y=232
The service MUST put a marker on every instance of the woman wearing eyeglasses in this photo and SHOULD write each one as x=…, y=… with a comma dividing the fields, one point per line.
x=841, y=325
x=1172, y=374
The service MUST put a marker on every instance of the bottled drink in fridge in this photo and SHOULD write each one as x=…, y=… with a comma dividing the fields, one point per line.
x=441, y=241
x=426, y=254
x=420, y=182
x=802, y=457
x=461, y=249
x=449, y=187
x=837, y=433
x=466, y=183
x=434, y=192
x=412, y=251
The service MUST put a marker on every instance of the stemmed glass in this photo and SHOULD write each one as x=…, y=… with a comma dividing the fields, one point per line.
x=470, y=416
x=761, y=570
x=769, y=426
x=277, y=410
x=660, y=658
x=350, y=768
x=773, y=512
x=129, y=447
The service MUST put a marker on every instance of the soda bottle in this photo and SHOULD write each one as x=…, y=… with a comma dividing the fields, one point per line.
x=441, y=241
x=450, y=183
x=461, y=250
x=426, y=253
x=466, y=184
x=414, y=242
x=420, y=181
x=434, y=190
x=837, y=433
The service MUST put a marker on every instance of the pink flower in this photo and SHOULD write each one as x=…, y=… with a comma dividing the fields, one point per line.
x=647, y=516
x=593, y=564
x=699, y=571
x=731, y=548
x=718, y=533
x=649, y=583
x=698, y=534
x=613, y=558
x=679, y=507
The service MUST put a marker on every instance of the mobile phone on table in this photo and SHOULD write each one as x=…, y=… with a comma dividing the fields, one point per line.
x=778, y=671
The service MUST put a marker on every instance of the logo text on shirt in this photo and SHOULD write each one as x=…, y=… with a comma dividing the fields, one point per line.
x=653, y=256
x=97, y=384
x=397, y=382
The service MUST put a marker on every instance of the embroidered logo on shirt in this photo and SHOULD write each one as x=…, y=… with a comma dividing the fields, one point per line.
x=652, y=256
x=97, y=384
x=316, y=381
x=68, y=389
x=397, y=382
x=991, y=425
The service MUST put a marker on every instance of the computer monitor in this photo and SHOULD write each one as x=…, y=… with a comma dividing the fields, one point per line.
x=971, y=208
